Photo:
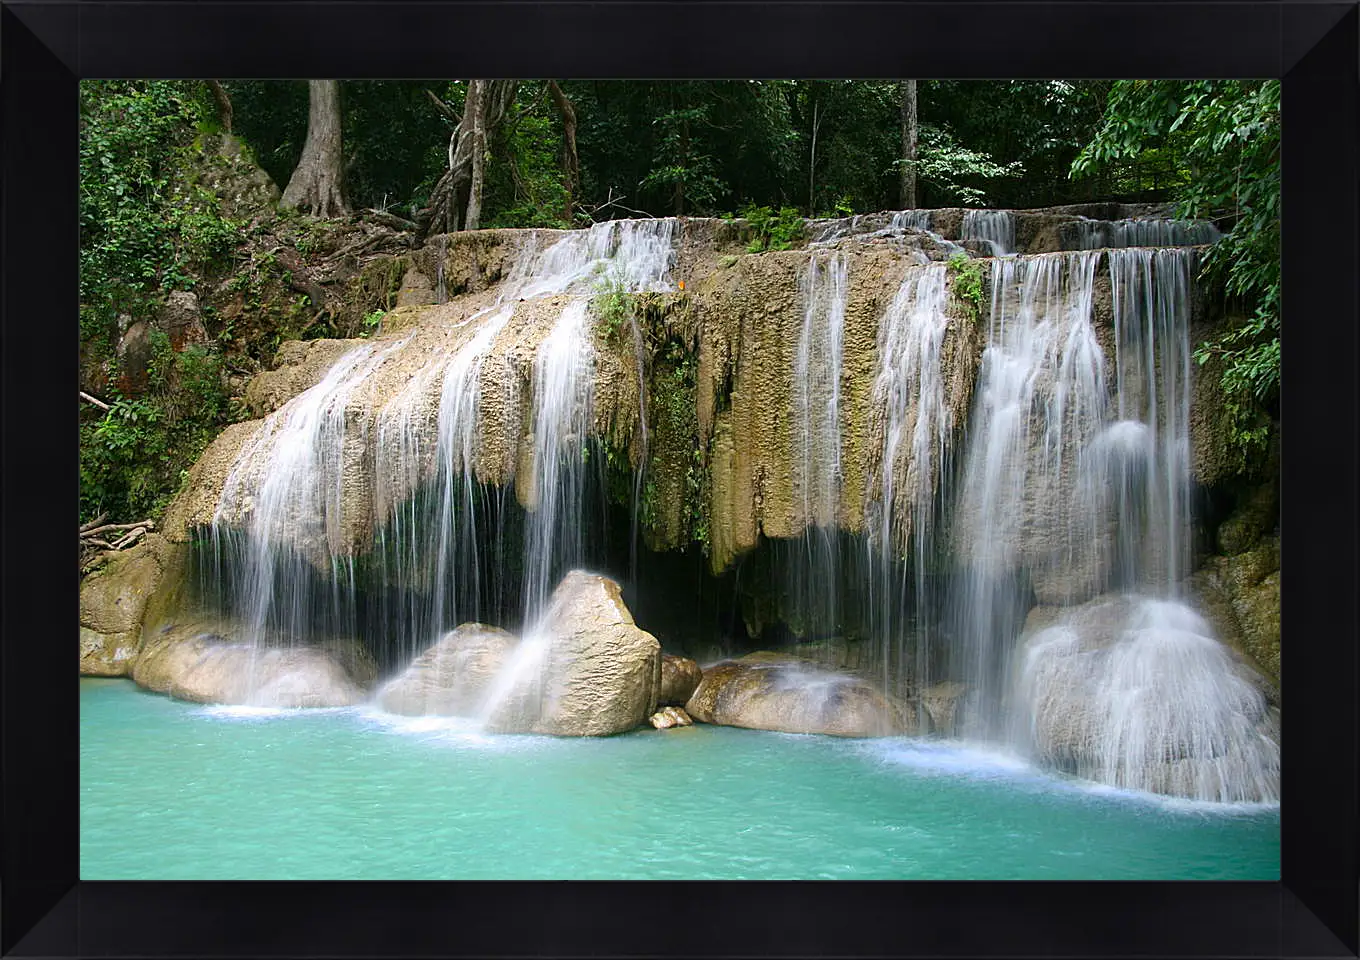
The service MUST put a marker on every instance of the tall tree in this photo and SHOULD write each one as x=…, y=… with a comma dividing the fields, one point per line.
x=909, y=134
x=571, y=165
x=317, y=185
x=452, y=205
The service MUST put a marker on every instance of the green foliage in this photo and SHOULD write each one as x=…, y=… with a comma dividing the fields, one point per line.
x=944, y=162
x=372, y=321
x=614, y=307
x=965, y=280
x=525, y=182
x=1222, y=140
x=773, y=231
x=144, y=229
x=135, y=458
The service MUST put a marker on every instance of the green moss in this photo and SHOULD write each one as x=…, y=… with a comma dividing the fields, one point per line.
x=965, y=281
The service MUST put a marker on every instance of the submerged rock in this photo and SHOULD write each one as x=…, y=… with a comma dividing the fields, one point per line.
x=454, y=677
x=195, y=661
x=771, y=691
x=680, y=677
x=1137, y=693
x=669, y=717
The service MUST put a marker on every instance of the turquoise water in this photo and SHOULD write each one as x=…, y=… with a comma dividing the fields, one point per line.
x=171, y=790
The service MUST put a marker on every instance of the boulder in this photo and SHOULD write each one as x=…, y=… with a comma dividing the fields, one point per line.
x=668, y=717
x=1137, y=693
x=181, y=318
x=453, y=677
x=771, y=691
x=680, y=677
x=200, y=662
x=585, y=670
x=113, y=602
x=941, y=703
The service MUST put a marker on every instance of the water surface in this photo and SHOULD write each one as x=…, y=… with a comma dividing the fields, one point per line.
x=172, y=790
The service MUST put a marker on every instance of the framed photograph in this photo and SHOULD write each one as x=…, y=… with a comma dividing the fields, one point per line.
x=847, y=447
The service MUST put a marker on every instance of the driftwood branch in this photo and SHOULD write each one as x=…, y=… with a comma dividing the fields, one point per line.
x=95, y=400
x=388, y=219
x=86, y=528
x=148, y=524
x=130, y=539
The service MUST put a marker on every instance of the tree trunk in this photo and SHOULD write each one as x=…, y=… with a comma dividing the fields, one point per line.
x=453, y=193
x=317, y=185
x=812, y=161
x=571, y=165
x=219, y=93
x=909, y=132
x=476, y=111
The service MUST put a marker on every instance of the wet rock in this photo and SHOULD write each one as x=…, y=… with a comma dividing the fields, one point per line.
x=113, y=603
x=771, y=691
x=1240, y=596
x=1257, y=516
x=1137, y=693
x=453, y=677
x=585, y=671
x=416, y=289
x=941, y=703
x=201, y=662
x=106, y=654
x=679, y=678
x=668, y=717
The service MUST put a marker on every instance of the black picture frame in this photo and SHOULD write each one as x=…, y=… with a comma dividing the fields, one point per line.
x=45, y=47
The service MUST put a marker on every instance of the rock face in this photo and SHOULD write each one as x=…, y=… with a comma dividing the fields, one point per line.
x=941, y=704
x=195, y=661
x=1240, y=596
x=680, y=677
x=452, y=678
x=585, y=671
x=770, y=691
x=1137, y=693
x=113, y=602
x=669, y=717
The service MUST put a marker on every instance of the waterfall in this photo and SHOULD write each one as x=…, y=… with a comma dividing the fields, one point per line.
x=1161, y=707
x=817, y=434
x=1040, y=394
x=561, y=418
x=283, y=568
x=996, y=228
x=916, y=421
x=1092, y=234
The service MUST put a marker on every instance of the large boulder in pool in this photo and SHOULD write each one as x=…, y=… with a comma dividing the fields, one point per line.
x=680, y=677
x=1137, y=693
x=771, y=691
x=586, y=670
x=202, y=663
x=454, y=677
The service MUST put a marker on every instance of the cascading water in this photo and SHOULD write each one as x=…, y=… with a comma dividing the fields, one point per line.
x=817, y=411
x=996, y=228
x=1093, y=234
x=1134, y=690
x=562, y=401
x=280, y=560
x=916, y=422
x=1040, y=395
